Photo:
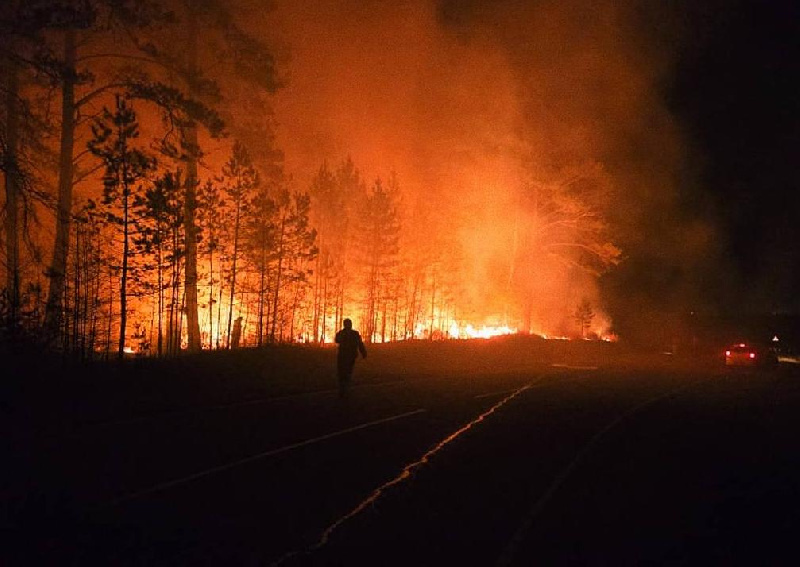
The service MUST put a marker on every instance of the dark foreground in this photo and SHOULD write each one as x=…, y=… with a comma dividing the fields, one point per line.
x=440, y=455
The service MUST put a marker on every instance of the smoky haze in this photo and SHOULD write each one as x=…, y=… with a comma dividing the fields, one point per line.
x=477, y=106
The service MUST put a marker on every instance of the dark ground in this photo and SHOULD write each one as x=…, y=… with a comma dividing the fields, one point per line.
x=249, y=458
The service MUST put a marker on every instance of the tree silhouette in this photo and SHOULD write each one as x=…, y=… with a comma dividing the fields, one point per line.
x=378, y=244
x=240, y=179
x=159, y=217
x=210, y=222
x=584, y=314
x=260, y=236
x=114, y=133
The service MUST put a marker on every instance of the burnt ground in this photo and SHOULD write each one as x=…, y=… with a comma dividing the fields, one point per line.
x=507, y=452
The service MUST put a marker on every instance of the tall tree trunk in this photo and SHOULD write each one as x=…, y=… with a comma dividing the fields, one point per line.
x=123, y=285
x=58, y=266
x=324, y=306
x=86, y=294
x=160, y=338
x=233, y=271
x=219, y=304
x=315, y=316
x=339, y=305
x=110, y=313
x=395, y=315
x=411, y=317
x=189, y=208
x=12, y=187
x=278, y=275
x=179, y=329
x=174, y=285
x=96, y=285
x=211, y=298
x=383, y=322
x=433, y=306
x=268, y=304
x=190, y=275
x=76, y=292
x=261, y=294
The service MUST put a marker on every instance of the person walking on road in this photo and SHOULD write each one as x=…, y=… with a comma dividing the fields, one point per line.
x=350, y=344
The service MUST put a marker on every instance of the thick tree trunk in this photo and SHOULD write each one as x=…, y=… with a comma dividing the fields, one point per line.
x=12, y=187
x=58, y=266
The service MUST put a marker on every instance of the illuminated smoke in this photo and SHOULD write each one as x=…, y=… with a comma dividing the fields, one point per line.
x=477, y=105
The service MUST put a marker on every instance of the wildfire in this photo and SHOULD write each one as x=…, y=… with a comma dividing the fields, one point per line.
x=485, y=332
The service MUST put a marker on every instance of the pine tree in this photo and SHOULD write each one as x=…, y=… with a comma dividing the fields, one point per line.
x=584, y=315
x=378, y=243
x=210, y=203
x=330, y=218
x=159, y=216
x=71, y=20
x=302, y=251
x=247, y=59
x=114, y=134
x=240, y=180
x=260, y=229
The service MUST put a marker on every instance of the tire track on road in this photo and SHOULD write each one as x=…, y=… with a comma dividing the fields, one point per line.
x=507, y=556
x=403, y=476
x=272, y=452
x=89, y=427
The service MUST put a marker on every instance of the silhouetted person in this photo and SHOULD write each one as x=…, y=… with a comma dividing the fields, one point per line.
x=350, y=344
x=236, y=335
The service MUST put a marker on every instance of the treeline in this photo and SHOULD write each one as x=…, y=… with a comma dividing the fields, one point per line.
x=146, y=208
x=75, y=75
x=120, y=233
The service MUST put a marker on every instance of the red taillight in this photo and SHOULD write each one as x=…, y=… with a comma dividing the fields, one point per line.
x=727, y=353
x=752, y=355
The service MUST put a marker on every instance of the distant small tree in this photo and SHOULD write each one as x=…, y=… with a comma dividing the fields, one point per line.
x=584, y=314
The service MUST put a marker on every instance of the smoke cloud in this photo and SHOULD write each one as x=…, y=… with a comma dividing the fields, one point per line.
x=475, y=103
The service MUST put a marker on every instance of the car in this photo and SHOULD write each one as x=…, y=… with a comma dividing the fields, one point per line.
x=748, y=355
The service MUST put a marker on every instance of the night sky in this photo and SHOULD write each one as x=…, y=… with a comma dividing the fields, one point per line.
x=735, y=94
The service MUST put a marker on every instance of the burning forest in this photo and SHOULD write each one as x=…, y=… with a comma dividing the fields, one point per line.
x=187, y=176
